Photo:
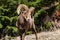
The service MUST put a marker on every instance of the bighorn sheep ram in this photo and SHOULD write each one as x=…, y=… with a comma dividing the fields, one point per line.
x=25, y=20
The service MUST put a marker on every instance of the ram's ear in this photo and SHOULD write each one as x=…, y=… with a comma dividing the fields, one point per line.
x=32, y=10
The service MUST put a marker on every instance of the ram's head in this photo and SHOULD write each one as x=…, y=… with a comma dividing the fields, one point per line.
x=27, y=12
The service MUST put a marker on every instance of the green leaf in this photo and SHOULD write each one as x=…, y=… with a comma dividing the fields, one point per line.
x=48, y=24
x=38, y=13
x=2, y=18
x=1, y=25
x=12, y=27
x=58, y=7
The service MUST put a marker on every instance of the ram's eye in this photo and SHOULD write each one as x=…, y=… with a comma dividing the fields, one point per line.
x=24, y=13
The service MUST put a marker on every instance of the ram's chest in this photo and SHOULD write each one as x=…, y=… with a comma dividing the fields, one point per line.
x=26, y=25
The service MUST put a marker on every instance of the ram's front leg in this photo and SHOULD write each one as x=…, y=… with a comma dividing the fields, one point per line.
x=35, y=31
x=23, y=36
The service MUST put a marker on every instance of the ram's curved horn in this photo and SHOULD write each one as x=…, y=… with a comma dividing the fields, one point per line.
x=21, y=6
x=31, y=9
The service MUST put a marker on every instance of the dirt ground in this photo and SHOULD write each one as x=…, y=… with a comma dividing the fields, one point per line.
x=49, y=35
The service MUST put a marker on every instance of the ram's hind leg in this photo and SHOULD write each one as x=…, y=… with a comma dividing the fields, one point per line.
x=24, y=34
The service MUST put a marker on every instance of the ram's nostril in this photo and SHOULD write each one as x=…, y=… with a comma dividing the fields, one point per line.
x=28, y=19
